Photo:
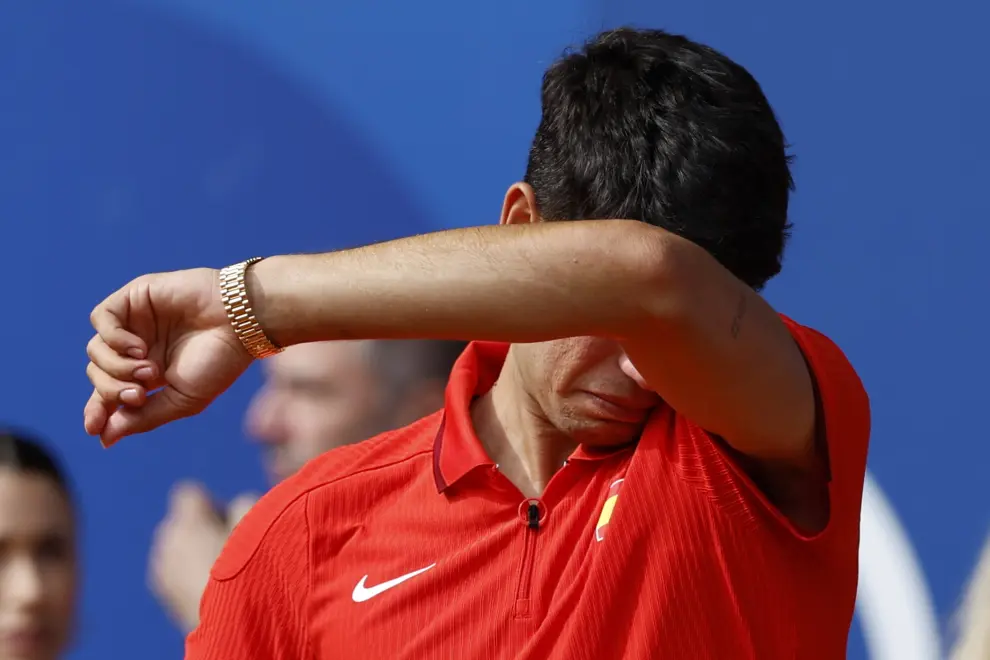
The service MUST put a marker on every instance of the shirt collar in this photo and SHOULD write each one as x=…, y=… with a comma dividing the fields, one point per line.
x=457, y=449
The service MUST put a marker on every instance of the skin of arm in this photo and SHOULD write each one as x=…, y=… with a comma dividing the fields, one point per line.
x=707, y=343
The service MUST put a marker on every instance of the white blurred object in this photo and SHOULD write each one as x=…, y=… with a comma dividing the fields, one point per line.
x=893, y=603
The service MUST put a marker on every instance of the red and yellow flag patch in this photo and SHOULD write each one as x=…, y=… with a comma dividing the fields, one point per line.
x=613, y=496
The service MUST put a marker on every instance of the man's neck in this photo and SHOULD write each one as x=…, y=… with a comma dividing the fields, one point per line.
x=516, y=434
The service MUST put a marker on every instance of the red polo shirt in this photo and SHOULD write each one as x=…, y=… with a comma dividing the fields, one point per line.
x=412, y=545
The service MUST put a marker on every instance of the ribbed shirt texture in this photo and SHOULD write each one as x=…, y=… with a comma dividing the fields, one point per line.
x=412, y=545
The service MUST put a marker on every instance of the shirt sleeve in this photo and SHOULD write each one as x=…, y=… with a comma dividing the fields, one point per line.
x=254, y=604
x=842, y=435
x=843, y=423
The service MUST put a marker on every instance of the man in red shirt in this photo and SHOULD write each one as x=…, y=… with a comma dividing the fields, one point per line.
x=637, y=458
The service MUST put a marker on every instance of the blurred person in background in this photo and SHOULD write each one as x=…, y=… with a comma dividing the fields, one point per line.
x=38, y=564
x=315, y=397
x=973, y=621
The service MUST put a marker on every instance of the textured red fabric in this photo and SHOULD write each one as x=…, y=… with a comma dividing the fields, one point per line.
x=683, y=558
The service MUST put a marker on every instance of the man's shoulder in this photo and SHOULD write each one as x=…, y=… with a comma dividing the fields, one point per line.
x=282, y=518
x=829, y=364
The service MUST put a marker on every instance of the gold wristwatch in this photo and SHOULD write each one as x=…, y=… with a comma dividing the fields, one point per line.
x=233, y=292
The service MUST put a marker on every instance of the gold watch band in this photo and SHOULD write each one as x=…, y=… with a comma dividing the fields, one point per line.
x=233, y=292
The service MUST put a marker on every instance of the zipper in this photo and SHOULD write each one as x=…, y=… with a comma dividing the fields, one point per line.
x=524, y=604
x=533, y=516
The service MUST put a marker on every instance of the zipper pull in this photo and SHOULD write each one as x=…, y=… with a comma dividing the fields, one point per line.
x=534, y=515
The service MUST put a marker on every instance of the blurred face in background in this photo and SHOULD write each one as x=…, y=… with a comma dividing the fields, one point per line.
x=37, y=567
x=315, y=397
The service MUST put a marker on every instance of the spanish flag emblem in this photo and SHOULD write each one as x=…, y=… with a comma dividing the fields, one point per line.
x=613, y=495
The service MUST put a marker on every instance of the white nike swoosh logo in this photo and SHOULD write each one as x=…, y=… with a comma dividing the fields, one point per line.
x=362, y=593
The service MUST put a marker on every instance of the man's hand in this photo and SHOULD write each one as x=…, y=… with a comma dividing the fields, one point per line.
x=186, y=544
x=167, y=332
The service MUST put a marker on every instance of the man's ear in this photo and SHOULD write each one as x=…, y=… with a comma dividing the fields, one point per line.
x=519, y=206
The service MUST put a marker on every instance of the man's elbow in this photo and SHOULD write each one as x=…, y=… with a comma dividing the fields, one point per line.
x=655, y=279
x=667, y=271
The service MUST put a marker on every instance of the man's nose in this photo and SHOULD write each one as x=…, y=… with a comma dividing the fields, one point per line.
x=23, y=583
x=629, y=369
x=262, y=419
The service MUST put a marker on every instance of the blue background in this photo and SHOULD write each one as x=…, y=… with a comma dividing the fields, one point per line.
x=158, y=134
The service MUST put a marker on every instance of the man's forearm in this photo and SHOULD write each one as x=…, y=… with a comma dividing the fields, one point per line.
x=515, y=283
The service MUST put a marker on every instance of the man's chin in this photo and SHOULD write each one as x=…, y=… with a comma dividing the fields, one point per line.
x=600, y=409
x=606, y=434
x=278, y=472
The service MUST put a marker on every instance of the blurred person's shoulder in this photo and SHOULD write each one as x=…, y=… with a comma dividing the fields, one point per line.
x=333, y=494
